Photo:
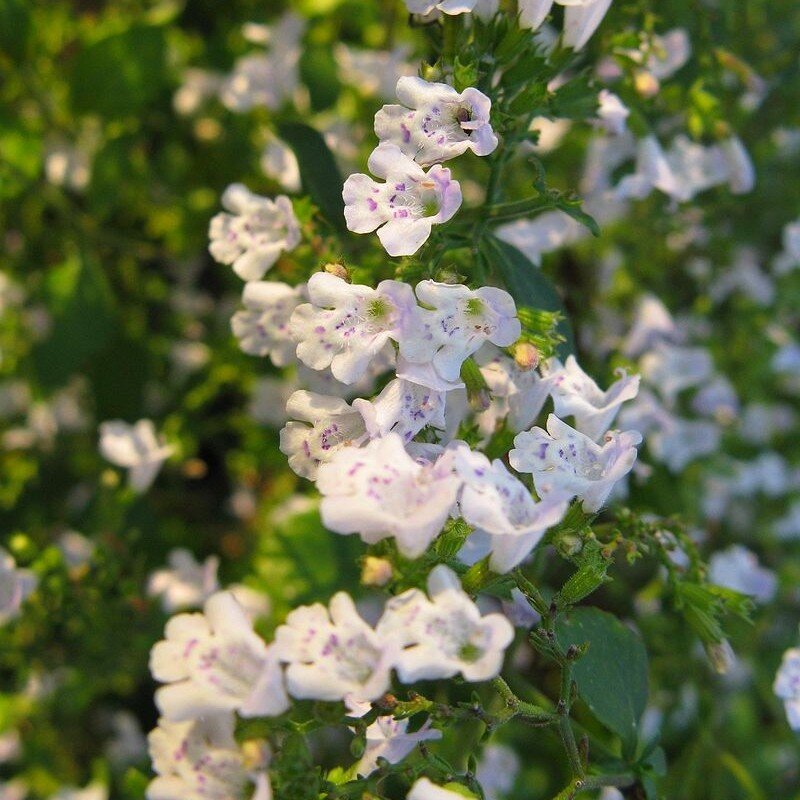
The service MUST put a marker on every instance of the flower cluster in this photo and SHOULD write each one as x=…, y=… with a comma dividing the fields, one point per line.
x=433, y=123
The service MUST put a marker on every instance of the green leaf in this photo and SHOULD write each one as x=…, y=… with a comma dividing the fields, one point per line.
x=119, y=75
x=612, y=676
x=527, y=284
x=15, y=25
x=575, y=100
x=319, y=73
x=318, y=170
x=82, y=304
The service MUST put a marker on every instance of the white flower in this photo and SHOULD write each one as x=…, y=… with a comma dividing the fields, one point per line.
x=455, y=323
x=787, y=686
x=424, y=789
x=279, y=162
x=671, y=369
x=741, y=172
x=737, y=568
x=405, y=208
x=497, y=770
x=563, y=459
x=332, y=653
x=15, y=586
x=263, y=327
x=717, y=399
x=518, y=395
x=327, y=425
x=653, y=171
x=128, y=744
x=213, y=662
x=494, y=502
x=92, y=791
x=388, y=738
x=446, y=634
x=680, y=441
x=612, y=113
x=373, y=72
x=435, y=122
x=581, y=20
x=788, y=526
x=255, y=232
x=267, y=79
x=186, y=583
x=445, y=6
x=346, y=326
x=404, y=408
x=379, y=491
x=136, y=448
x=652, y=323
x=575, y=394
x=200, y=760
x=197, y=86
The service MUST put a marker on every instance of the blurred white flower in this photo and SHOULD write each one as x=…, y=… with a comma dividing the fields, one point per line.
x=186, y=583
x=136, y=448
x=737, y=568
x=16, y=585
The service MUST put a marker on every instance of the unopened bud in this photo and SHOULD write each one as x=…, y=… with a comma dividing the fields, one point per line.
x=376, y=571
x=646, y=84
x=526, y=356
x=721, y=656
x=339, y=270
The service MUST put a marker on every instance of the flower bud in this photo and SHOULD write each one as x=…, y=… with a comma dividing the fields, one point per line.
x=526, y=356
x=339, y=270
x=646, y=84
x=376, y=571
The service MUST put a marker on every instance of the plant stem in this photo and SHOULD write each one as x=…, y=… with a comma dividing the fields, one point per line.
x=594, y=782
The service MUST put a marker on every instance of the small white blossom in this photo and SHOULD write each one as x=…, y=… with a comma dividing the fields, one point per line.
x=672, y=369
x=612, y=113
x=136, y=448
x=262, y=328
x=373, y=72
x=379, y=491
x=497, y=770
x=518, y=395
x=128, y=744
x=255, y=232
x=494, y=502
x=201, y=760
x=332, y=653
x=445, y=6
x=435, y=122
x=346, y=326
x=267, y=79
x=737, y=568
x=787, y=686
x=404, y=408
x=388, y=738
x=405, y=208
x=279, y=162
x=741, y=172
x=15, y=586
x=214, y=662
x=456, y=322
x=424, y=789
x=446, y=634
x=575, y=394
x=326, y=425
x=652, y=323
x=186, y=583
x=563, y=459
x=581, y=20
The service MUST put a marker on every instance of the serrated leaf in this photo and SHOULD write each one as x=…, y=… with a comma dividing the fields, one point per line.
x=611, y=677
x=318, y=171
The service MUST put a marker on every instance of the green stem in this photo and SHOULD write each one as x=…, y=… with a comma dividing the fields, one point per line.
x=594, y=782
